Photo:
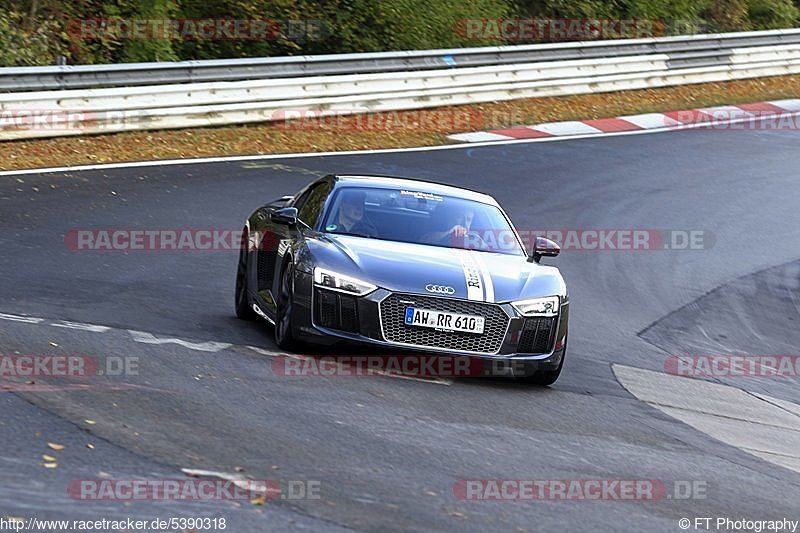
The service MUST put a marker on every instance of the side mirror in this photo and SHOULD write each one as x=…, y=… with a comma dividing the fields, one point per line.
x=286, y=216
x=543, y=247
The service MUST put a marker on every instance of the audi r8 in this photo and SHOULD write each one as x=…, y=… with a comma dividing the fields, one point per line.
x=404, y=263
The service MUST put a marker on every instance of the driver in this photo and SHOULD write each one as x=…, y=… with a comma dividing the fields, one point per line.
x=458, y=225
x=351, y=217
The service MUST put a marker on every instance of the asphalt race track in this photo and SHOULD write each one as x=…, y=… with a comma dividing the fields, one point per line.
x=387, y=452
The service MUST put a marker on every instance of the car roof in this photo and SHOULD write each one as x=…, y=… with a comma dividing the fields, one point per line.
x=396, y=182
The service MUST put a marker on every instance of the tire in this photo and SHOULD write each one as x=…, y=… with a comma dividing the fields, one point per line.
x=241, y=298
x=545, y=378
x=285, y=305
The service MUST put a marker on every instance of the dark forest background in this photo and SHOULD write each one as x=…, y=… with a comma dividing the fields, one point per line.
x=38, y=32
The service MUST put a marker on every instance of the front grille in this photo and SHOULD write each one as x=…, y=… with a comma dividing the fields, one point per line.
x=537, y=335
x=393, y=312
x=336, y=311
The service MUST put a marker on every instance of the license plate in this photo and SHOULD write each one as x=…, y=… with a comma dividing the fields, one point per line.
x=428, y=318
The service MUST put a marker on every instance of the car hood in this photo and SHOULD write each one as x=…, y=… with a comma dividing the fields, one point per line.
x=435, y=270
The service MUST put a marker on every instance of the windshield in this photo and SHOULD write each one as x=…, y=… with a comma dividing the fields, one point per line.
x=420, y=217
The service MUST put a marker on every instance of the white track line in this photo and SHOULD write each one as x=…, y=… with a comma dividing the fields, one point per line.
x=262, y=351
x=17, y=318
x=149, y=338
x=259, y=488
x=136, y=336
x=77, y=325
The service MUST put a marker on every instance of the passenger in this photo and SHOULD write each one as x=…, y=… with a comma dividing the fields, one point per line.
x=351, y=217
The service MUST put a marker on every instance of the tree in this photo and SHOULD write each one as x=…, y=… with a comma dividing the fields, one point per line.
x=728, y=15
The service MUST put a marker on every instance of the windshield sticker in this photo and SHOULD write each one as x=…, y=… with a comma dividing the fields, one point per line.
x=419, y=195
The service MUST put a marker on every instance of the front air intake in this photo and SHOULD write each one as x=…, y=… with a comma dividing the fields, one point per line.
x=537, y=335
x=336, y=311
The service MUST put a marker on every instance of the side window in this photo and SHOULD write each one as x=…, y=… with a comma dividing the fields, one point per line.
x=311, y=204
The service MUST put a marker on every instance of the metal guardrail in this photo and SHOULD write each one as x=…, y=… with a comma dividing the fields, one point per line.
x=685, y=51
x=493, y=74
x=361, y=85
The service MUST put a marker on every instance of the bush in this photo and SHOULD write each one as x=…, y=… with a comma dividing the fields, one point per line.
x=341, y=26
x=771, y=14
x=40, y=45
x=138, y=50
x=373, y=25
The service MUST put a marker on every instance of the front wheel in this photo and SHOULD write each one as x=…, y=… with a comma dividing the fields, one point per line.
x=285, y=305
x=546, y=377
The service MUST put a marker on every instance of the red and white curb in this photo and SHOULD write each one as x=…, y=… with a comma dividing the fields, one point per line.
x=778, y=114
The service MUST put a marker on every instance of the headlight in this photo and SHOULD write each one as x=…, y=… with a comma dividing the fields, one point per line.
x=538, y=306
x=338, y=282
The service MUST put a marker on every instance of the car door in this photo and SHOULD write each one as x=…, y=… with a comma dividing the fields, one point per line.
x=278, y=240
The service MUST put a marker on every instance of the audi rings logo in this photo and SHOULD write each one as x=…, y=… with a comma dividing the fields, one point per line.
x=440, y=289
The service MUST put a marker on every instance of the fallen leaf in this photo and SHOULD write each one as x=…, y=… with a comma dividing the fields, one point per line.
x=55, y=446
x=90, y=446
x=48, y=458
x=90, y=422
x=49, y=465
x=53, y=344
x=257, y=501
